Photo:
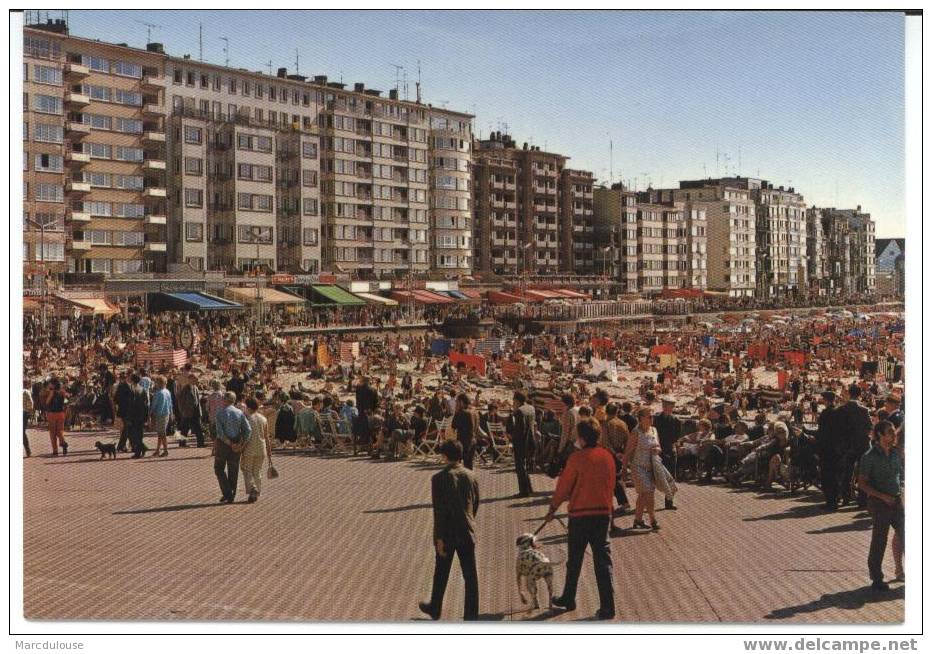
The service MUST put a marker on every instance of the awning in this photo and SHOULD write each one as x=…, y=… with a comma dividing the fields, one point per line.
x=268, y=295
x=572, y=294
x=190, y=302
x=336, y=295
x=456, y=295
x=430, y=297
x=92, y=305
x=501, y=297
x=471, y=294
x=30, y=305
x=547, y=293
x=378, y=299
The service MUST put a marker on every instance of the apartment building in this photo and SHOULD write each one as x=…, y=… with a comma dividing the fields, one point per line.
x=781, y=240
x=534, y=202
x=816, y=261
x=244, y=169
x=577, y=230
x=95, y=152
x=451, y=190
x=851, y=249
x=615, y=219
x=730, y=233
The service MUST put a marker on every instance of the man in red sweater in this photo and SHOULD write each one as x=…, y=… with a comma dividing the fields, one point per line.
x=588, y=482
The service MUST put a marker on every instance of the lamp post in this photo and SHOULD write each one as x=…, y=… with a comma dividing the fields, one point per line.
x=256, y=232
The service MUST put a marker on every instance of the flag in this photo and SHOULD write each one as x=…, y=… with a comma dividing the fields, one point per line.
x=349, y=351
x=159, y=358
x=490, y=346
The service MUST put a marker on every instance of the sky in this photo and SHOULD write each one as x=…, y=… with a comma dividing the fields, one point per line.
x=809, y=100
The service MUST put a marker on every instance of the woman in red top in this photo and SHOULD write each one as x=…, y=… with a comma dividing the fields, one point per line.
x=588, y=482
x=54, y=402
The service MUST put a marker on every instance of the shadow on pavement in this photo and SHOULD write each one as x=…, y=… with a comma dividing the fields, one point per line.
x=395, y=509
x=161, y=509
x=799, y=511
x=861, y=524
x=848, y=599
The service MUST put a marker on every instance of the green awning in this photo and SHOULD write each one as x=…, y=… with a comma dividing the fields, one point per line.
x=337, y=295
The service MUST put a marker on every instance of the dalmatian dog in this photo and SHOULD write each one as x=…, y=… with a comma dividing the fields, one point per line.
x=533, y=565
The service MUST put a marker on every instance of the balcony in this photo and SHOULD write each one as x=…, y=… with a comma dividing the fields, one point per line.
x=78, y=187
x=76, y=71
x=153, y=164
x=154, y=137
x=153, y=219
x=154, y=192
x=79, y=217
x=156, y=247
x=84, y=246
x=77, y=129
x=510, y=205
x=77, y=158
x=153, y=82
x=77, y=99
x=152, y=110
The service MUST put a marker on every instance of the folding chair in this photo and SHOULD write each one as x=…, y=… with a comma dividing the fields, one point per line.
x=433, y=438
x=500, y=442
x=328, y=434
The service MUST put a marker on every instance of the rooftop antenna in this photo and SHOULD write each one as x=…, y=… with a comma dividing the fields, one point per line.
x=200, y=41
x=739, y=159
x=716, y=161
x=398, y=70
x=611, y=166
x=418, y=86
x=226, y=50
x=149, y=28
x=269, y=64
x=297, y=60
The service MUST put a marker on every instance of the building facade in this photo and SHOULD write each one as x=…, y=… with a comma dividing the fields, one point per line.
x=889, y=264
x=577, y=230
x=816, y=261
x=615, y=222
x=851, y=250
x=95, y=187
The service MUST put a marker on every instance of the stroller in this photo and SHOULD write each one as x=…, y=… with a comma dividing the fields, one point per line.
x=803, y=469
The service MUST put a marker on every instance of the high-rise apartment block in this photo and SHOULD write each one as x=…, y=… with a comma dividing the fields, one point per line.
x=849, y=234
x=816, y=261
x=532, y=214
x=615, y=222
x=95, y=160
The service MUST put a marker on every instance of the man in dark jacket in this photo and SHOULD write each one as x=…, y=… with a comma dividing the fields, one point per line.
x=189, y=410
x=669, y=429
x=455, y=498
x=830, y=441
x=855, y=424
x=123, y=399
x=367, y=401
x=520, y=427
x=138, y=414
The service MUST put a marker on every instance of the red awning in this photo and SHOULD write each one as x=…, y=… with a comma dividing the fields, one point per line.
x=573, y=294
x=429, y=297
x=500, y=297
x=547, y=293
x=471, y=294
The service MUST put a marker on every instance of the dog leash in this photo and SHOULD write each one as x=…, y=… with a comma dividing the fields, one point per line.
x=544, y=524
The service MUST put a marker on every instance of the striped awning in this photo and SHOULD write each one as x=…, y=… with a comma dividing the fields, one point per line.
x=267, y=295
x=378, y=299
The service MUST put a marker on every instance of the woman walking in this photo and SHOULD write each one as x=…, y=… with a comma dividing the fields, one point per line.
x=257, y=449
x=54, y=403
x=643, y=445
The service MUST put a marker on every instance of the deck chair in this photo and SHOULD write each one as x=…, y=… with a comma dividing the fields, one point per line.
x=329, y=438
x=433, y=437
x=500, y=442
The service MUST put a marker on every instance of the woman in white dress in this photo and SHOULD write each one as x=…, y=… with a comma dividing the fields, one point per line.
x=257, y=448
x=643, y=445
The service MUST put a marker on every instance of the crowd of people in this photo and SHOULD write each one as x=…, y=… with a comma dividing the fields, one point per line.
x=820, y=404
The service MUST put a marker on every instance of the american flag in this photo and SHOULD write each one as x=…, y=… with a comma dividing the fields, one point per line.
x=349, y=350
x=159, y=358
x=490, y=346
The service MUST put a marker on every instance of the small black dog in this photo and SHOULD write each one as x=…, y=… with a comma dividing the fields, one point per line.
x=106, y=449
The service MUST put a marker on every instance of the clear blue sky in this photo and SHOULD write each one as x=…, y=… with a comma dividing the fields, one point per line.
x=809, y=99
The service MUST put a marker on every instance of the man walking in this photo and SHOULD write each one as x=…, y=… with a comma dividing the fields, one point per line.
x=855, y=423
x=880, y=477
x=830, y=441
x=455, y=498
x=123, y=399
x=233, y=431
x=189, y=410
x=520, y=427
x=669, y=429
x=615, y=439
x=588, y=482
x=160, y=410
x=138, y=413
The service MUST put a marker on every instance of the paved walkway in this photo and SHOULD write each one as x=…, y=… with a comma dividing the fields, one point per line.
x=349, y=539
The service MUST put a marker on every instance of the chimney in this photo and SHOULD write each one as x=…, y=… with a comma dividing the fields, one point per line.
x=320, y=79
x=283, y=73
x=393, y=94
x=524, y=147
x=156, y=47
x=359, y=87
x=859, y=208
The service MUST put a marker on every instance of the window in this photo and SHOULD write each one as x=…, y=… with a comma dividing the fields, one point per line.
x=128, y=97
x=95, y=208
x=49, y=163
x=192, y=135
x=98, y=237
x=254, y=234
x=96, y=63
x=127, y=266
x=129, y=182
x=309, y=177
x=194, y=198
x=50, y=252
x=103, y=180
x=310, y=236
x=49, y=133
x=46, y=75
x=100, y=265
x=47, y=104
x=193, y=166
x=132, y=239
x=129, y=125
x=194, y=232
x=127, y=69
x=98, y=150
x=264, y=143
x=205, y=81
x=127, y=210
x=253, y=202
x=310, y=207
x=309, y=150
x=129, y=154
x=259, y=90
x=95, y=92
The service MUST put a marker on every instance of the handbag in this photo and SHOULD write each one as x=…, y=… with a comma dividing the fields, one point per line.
x=273, y=472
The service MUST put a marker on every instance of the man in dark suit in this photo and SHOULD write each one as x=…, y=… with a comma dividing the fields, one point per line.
x=138, y=414
x=455, y=498
x=367, y=401
x=123, y=399
x=855, y=424
x=830, y=441
x=520, y=427
x=669, y=429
